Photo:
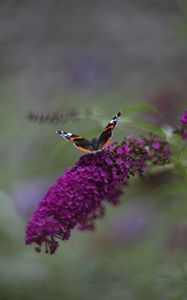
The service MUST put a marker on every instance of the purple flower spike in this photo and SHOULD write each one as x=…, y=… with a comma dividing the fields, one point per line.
x=76, y=199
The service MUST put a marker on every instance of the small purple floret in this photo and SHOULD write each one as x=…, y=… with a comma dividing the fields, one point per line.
x=156, y=145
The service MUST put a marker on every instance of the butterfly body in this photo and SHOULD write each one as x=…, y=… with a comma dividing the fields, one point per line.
x=95, y=144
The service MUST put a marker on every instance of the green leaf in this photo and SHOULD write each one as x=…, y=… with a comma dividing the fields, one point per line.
x=146, y=126
x=180, y=166
x=141, y=107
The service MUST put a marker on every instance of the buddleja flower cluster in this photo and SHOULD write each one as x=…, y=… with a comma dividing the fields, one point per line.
x=182, y=128
x=76, y=199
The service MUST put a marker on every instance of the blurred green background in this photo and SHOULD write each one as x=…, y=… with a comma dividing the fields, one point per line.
x=95, y=57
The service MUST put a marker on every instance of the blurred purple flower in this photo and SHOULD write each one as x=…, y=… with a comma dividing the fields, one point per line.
x=167, y=100
x=87, y=69
x=184, y=135
x=26, y=194
x=182, y=128
x=134, y=222
x=76, y=198
x=183, y=119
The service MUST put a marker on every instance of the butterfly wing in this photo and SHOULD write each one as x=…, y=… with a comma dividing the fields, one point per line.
x=106, y=134
x=78, y=141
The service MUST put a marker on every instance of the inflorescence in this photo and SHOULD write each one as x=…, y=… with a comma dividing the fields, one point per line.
x=76, y=199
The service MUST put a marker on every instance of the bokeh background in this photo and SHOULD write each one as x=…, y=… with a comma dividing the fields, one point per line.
x=87, y=60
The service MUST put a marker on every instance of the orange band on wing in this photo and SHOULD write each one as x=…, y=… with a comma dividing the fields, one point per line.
x=109, y=127
x=107, y=141
x=83, y=149
x=75, y=138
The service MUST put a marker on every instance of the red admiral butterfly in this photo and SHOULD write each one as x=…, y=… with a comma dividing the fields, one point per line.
x=96, y=143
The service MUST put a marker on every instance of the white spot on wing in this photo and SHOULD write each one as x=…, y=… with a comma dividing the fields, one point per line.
x=114, y=121
x=67, y=134
x=64, y=134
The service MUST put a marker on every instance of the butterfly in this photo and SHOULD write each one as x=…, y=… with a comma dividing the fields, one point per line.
x=95, y=144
